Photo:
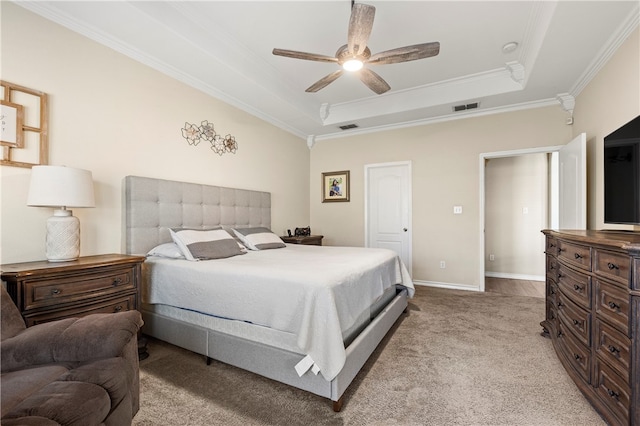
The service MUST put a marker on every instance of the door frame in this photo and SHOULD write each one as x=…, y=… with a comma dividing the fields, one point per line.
x=368, y=167
x=483, y=158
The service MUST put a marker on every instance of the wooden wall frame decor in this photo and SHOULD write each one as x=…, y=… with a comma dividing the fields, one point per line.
x=335, y=186
x=27, y=123
x=11, y=116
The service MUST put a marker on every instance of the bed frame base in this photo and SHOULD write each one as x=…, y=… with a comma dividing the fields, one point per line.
x=272, y=362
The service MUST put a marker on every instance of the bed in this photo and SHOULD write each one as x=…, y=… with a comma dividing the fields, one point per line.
x=319, y=325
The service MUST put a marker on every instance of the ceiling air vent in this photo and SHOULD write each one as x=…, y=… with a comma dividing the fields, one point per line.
x=348, y=126
x=472, y=105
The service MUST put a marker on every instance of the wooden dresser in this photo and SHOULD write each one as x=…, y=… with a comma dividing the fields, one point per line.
x=593, y=316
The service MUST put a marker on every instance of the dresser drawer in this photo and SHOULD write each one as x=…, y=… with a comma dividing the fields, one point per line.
x=118, y=304
x=613, y=391
x=612, y=303
x=614, y=347
x=577, y=354
x=551, y=246
x=575, y=254
x=552, y=267
x=614, y=266
x=576, y=285
x=39, y=293
x=575, y=318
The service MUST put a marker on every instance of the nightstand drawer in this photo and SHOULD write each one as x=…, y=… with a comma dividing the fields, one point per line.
x=43, y=292
x=119, y=304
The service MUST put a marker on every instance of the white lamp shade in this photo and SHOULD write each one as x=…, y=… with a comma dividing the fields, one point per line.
x=59, y=186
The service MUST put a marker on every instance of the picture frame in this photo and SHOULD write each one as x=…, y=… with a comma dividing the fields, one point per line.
x=11, y=119
x=335, y=186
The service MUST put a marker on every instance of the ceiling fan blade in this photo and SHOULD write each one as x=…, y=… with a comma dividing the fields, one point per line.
x=324, y=81
x=360, y=25
x=405, y=54
x=304, y=55
x=373, y=81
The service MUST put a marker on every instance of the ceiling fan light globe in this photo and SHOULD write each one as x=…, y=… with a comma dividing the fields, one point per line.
x=352, y=65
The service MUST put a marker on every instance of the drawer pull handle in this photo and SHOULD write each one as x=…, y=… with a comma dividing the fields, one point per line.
x=560, y=276
x=577, y=255
x=613, y=394
x=576, y=322
x=612, y=266
x=551, y=245
x=559, y=333
x=117, y=308
x=613, y=305
x=560, y=305
x=552, y=291
x=117, y=281
x=613, y=349
x=577, y=357
x=577, y=287
x=56, y=291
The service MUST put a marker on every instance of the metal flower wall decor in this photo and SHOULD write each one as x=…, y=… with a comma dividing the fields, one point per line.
x=194, y=134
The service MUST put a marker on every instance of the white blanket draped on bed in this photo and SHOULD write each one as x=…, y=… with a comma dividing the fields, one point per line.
x=311, y=291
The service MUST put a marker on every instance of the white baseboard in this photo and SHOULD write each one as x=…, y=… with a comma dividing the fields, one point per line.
x=451, y=286
x=514, y=276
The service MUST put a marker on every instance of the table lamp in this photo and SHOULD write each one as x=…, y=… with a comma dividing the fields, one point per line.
x=61, y=187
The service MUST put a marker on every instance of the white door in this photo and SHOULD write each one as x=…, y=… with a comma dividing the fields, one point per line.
x=572, y=192
x=388, y=208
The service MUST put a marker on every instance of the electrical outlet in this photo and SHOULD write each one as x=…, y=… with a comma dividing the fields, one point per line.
x=442, y=264
x=457, y=209
x=492, y=257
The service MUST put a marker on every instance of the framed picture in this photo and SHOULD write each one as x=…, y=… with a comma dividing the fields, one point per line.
x=335, y=186
x=11, y=124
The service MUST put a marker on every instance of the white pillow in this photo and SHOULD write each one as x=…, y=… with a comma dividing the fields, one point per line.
x=205, y=244
x=169, y=250
x=259, y=238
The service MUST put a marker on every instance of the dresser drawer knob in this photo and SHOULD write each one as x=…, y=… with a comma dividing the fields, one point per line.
x=613, y=305
x=117, y=281
x=612, y=266
x=613, y=394
x=577, y=287
x=577, y=255
x=577, y=357
x=576, y=322
x=613, y=349
x=117, y=308
x=56, y=291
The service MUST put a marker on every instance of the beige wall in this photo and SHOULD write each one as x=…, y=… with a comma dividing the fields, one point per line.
x=445, y=168
x=445, y=164
x=610, y=100
x=512, y=235
x=116, y=117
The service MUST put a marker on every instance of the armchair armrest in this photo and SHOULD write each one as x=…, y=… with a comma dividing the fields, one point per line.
x=71, y=340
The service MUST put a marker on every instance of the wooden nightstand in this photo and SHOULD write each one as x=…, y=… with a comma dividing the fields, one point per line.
x=47, y=291
x=310, y=240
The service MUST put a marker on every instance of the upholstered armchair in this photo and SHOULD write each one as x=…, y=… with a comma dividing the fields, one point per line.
x=75, y=371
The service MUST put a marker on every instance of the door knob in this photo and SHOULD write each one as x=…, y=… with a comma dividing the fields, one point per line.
x=404, y=229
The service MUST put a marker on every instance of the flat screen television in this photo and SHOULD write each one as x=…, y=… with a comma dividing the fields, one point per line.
x=622, y=174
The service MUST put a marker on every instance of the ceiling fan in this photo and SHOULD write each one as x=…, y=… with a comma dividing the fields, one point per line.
x=355, y=54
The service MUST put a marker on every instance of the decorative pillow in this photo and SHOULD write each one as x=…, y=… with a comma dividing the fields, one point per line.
x=259, y=238
x=205, y=244
x=169, y=250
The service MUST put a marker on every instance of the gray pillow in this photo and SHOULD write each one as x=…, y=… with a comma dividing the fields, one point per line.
x=205, y=244
x=259, y=238
x=169, y=250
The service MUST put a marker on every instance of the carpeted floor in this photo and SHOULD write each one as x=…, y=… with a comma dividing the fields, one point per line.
x=457, y=358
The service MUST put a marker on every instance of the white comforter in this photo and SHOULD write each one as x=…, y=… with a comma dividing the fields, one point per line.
x=311, y=291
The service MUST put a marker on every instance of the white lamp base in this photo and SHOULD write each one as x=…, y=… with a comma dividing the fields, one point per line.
x=63, y=236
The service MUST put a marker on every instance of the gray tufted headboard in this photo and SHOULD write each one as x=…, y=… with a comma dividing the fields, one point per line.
x=152, y=206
